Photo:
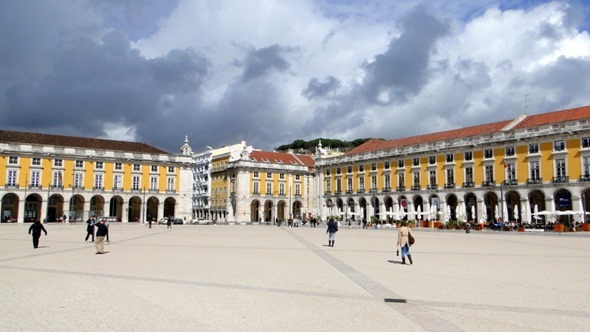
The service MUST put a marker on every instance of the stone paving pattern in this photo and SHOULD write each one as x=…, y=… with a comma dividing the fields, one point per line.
x=266, y=278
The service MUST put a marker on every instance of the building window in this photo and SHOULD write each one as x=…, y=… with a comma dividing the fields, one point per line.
x=373, y=166
x=559, y=145
x=431, y=160
x=154, y=183
x=136, y=167
x=401, y=180
x=373, y=182
x=509, y=151
x=560, y=170
x=586, y=142
x=35, y=178
x=282, y=189
x=489, y=173
x=57, y=179
x=361, y=168
x=118, y=182
x=338, y=171
x=269, y=175
x=282, y=176
x=362, y=183
x=256, y=189
x=400, y=163
x=99, y=165
x=118, y=166
x=78, y=180
x=79, y=164
x=534, y=168
x=488, y=153
x=327, y=172
x=349, y=185
x=533, y=148
x=170, y=185
x=154, y=168
x=510, y=172
x=432, y=177
x=349, y=169
x=58, y=162
x=297, y=177
x=12, y=177
x=468, y=156
x=586, y=167
x=416, y=179
x=135, y=180
x=469, y=174
x=13, y=160
x=328, y=186
x=338, y=186
x=98, y=181
x=36, y=162
x=269, y=189
x=387, y=181
x=171, y=169
x=450, y=158
x=386, y=165
x=256, y=175
x=297, y=189
x=416, y=162
x=450, y=176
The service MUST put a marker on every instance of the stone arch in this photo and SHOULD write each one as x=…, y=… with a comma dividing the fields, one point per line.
x=116, y=207
x=512, y=199
x=55, y=206
x=169, y=207
x=267, y=213
x=281, y=210
x=77, y=207
x=134, y=210
x=151, y=209
x=255, y=215
x=10, y=205
x=453, y=202
x=97, y=206
x=471, y=207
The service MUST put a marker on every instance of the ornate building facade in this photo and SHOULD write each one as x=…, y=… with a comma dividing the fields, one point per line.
x=513, y=170
x=49, y=177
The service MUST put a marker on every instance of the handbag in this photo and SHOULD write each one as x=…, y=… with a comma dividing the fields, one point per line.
x=411, y=239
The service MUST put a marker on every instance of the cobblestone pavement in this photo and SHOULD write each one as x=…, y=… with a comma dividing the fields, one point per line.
x=266, y=278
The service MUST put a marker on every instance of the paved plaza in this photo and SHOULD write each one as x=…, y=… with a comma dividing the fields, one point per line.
x=266, y=278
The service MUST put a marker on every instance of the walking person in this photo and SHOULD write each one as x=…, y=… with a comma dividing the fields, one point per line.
x=169, y=222
x=36, y=229
x=106, y=222
x=90, y=229
x=403, y=241
x=331, y=231
x=101, y=232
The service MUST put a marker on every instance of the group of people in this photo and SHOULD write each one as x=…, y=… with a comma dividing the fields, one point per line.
x=403, y=238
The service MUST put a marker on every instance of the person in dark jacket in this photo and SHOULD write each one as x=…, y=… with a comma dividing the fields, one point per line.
x=331, y=231
x=90, y=229
x=36, y=229
x=101, y=232
x=169, y=222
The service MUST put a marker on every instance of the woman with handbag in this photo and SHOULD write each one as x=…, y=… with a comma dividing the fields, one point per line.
x=403, y=241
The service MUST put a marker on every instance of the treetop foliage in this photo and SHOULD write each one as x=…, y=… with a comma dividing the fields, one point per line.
x=300, y=144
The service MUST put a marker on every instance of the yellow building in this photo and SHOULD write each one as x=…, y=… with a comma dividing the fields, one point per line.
x=271, y=186
x=54, y=177
x=528, y=169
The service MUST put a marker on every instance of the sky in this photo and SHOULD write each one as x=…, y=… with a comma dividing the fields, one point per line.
x=269, y=72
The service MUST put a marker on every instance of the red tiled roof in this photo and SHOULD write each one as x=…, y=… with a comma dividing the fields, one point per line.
x=377, y=145
x=76, y=142
x=554, y=117
x=282, y=157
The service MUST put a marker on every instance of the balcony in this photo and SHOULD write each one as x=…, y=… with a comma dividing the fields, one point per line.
x=171, y=191
x=400, y=188
x=432, y=187
x=349, y=192
x=97, y=188
x=450, y=185
x=360, y=191
x=533, y=181
x=338, y=192
x=35, y=186
x=509, y=182
x=488, y=183
x=469, y=184
x=327, y=192
x=560, y=179
x=11, y=185
x=57, y=187
x=387, y=189
x=416, y=187
x=585, y=178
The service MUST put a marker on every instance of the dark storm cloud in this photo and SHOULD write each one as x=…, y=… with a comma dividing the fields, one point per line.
x=262, y=61
x=317, y=89
x=94, y=83
x=564, y=82
x=403, y=69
